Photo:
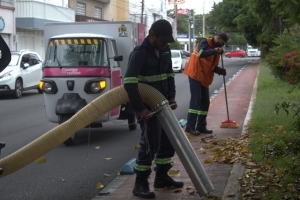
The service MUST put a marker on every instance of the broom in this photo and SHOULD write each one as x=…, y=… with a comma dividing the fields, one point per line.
x=227, y=123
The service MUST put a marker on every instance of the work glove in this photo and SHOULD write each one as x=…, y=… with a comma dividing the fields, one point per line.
x=222, y=71
x=173, y=103
x=219, y=50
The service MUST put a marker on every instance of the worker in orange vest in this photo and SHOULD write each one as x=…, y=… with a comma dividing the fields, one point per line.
x=200, y=70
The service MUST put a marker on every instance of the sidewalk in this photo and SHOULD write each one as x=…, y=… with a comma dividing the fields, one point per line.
x=223, y=176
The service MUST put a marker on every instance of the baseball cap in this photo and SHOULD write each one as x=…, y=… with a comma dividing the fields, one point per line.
x=163, y=29
x=224, y=37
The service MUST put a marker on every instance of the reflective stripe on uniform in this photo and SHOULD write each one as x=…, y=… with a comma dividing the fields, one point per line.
x=197, y=112
x=142, y=167
x=155, y=78
x=148, y=79
x=162, y=160
x=130, y=80
x=199, y=53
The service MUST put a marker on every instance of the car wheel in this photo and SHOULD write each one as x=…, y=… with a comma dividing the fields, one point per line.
x=18, y=89
x=241, y=56
x=132, y=123
x=71, y=140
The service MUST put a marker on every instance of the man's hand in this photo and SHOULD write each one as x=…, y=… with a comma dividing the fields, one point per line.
x=172, y=101
x=144, y=114
x=219, y=51
x=222, y=72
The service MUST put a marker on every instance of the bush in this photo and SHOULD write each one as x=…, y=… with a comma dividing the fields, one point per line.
x=175, y=45
x=277, y=58
x=292, y=67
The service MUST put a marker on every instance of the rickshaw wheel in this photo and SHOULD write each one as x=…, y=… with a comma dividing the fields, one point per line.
x=71, y=140
x=132, y=124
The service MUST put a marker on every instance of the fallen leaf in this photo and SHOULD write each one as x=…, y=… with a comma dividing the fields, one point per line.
x=245, y=150
x=137, y=146
x=174, y=172
x=62, y=180
x=107, y=158
x=190, y=187
x=99, y=185
x=250, y=164
x=190, y=137
x=208, y=160
x=97, y=147
x=202, y=150
x=41, y=160
x=107, y=175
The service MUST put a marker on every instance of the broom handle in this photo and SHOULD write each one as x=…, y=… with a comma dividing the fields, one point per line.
x=225, y=89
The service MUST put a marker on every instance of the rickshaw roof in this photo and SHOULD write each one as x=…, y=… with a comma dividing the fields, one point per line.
x=82, y=35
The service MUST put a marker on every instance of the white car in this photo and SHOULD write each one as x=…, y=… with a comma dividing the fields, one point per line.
x=24, y=72
x=178, y=60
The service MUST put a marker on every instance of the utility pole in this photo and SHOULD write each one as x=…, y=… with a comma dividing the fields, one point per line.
x=142, y=15
x=175, y=20
x=193, y=30
x=203, y=24
x=191, y=22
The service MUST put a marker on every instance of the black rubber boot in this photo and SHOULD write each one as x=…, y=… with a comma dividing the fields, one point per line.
x=163, y=180
x=141, y=188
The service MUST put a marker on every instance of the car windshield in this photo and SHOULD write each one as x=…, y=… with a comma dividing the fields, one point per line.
x=76, y=52
x=175, y=54
x=14, y=59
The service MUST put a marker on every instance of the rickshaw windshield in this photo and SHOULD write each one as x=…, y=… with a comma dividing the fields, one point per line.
x=76, y=52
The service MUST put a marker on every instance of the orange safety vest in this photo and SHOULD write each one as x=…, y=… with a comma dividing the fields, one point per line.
x=201, y=69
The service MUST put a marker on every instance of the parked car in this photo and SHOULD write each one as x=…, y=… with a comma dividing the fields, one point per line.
x=236, y=53
x=178, y=60
x=24, y=72
x=186, y=53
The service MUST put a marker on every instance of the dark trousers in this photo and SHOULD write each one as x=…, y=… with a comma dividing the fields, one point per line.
x=155, y=145
x=199, y=105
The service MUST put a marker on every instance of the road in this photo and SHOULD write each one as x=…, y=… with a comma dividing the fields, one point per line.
x=72, y=173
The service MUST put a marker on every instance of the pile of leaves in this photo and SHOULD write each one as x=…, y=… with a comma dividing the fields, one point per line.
x=259, y=180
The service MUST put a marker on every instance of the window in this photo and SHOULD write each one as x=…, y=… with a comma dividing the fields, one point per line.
x=81, y=8
x=98, y=12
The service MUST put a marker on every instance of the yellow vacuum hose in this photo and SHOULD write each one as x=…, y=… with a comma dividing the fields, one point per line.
x=81, y=119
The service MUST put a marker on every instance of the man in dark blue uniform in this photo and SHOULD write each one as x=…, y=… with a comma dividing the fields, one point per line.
x=150, y=63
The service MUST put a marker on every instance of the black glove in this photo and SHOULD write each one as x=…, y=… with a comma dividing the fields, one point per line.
x=219, y=50
x=222, y=72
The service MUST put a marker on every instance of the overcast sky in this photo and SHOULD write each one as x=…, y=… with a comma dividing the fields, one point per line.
x=197, y=5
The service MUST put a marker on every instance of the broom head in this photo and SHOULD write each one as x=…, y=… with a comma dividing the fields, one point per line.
x=229, y=124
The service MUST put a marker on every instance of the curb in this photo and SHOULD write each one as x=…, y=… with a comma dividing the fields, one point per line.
x=232, y=190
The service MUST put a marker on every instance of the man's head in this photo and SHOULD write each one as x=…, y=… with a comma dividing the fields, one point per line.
x=221, y=40
x=160, y=34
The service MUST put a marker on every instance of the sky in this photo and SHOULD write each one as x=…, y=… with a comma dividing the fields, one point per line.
x=197, y=5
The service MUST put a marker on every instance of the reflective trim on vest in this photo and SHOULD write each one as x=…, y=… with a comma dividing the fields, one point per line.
x=142, y=167
x=130, y=80
x=197, y=112
x=162, y=160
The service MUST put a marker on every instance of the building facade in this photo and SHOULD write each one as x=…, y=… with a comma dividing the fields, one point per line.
x=22, y=21
x=7, y=23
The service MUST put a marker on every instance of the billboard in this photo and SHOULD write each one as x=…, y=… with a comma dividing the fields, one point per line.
x=182, y=11
x=177, y=1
